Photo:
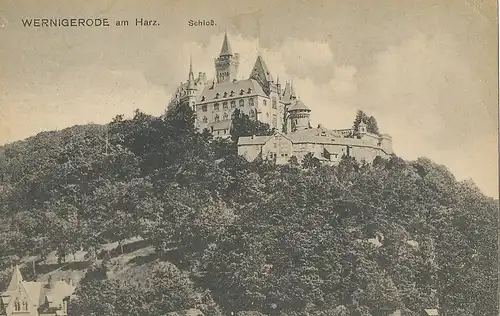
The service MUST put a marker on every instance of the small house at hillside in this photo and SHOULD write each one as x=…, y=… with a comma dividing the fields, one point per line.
x=22, y=298
x=430, y=312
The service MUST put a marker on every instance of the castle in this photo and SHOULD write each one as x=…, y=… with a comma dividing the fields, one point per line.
x=24, y=298
x=264, y=99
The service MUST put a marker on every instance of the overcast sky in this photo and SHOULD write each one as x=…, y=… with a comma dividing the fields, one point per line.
x=427, y=70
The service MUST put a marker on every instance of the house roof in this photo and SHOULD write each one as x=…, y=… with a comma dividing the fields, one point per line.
x=253, y=140
x=15, y=279
x=432, y=312
x=34, y=291
x=58, y=291
x=250, y=87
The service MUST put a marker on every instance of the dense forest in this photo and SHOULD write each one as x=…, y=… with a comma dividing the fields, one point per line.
x=233, y=237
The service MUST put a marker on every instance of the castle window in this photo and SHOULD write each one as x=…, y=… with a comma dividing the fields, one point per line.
x=250, y=101
x=274, y=103
x=225, y=116
x=216, y=107
x=253, y=114
x=224, y=105
x=25, y=306
x=233, y=104
x=217, y=118
x=275, y=121
x=265, y=103
x=205, y=120
x=242, y=103
x=204, y=107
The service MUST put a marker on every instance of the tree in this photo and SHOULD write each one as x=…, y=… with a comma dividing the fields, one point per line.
x=310, y=162
x=293, y=161
x=242, y=125
x=371, y=125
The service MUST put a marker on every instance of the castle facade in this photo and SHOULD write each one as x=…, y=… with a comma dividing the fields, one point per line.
x=264, y=99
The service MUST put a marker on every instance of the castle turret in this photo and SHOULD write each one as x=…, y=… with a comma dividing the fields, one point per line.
x=298, y=116
x=226, y=65
x=362, y=128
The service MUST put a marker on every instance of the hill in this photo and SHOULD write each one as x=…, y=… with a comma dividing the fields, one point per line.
x=153, y=217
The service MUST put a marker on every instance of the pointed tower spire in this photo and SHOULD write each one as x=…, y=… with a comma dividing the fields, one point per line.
x=191, y=75
x=191, y=84
x=292, y=91
x=15, y=279
x=226, y=48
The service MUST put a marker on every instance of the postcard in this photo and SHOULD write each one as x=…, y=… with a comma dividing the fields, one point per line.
x=168, y=157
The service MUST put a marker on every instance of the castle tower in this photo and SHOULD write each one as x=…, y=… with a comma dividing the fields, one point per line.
x=298, y=116
x=226, y=65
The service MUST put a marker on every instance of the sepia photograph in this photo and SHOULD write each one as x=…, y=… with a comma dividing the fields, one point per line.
x=260, y=158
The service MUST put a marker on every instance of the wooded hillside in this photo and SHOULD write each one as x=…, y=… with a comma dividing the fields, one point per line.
x=232, y=236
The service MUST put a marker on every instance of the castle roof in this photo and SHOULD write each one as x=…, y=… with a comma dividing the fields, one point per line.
x=299, y=106
x=239, y=88
x=226, y=48
x=261, y=71
x=287, y=93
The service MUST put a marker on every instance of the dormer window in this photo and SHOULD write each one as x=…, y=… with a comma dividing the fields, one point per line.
x=217, y=95
x=249, y=90
x=203, y=98
x=242, y=91
x=232, y=93
x=225, y=94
